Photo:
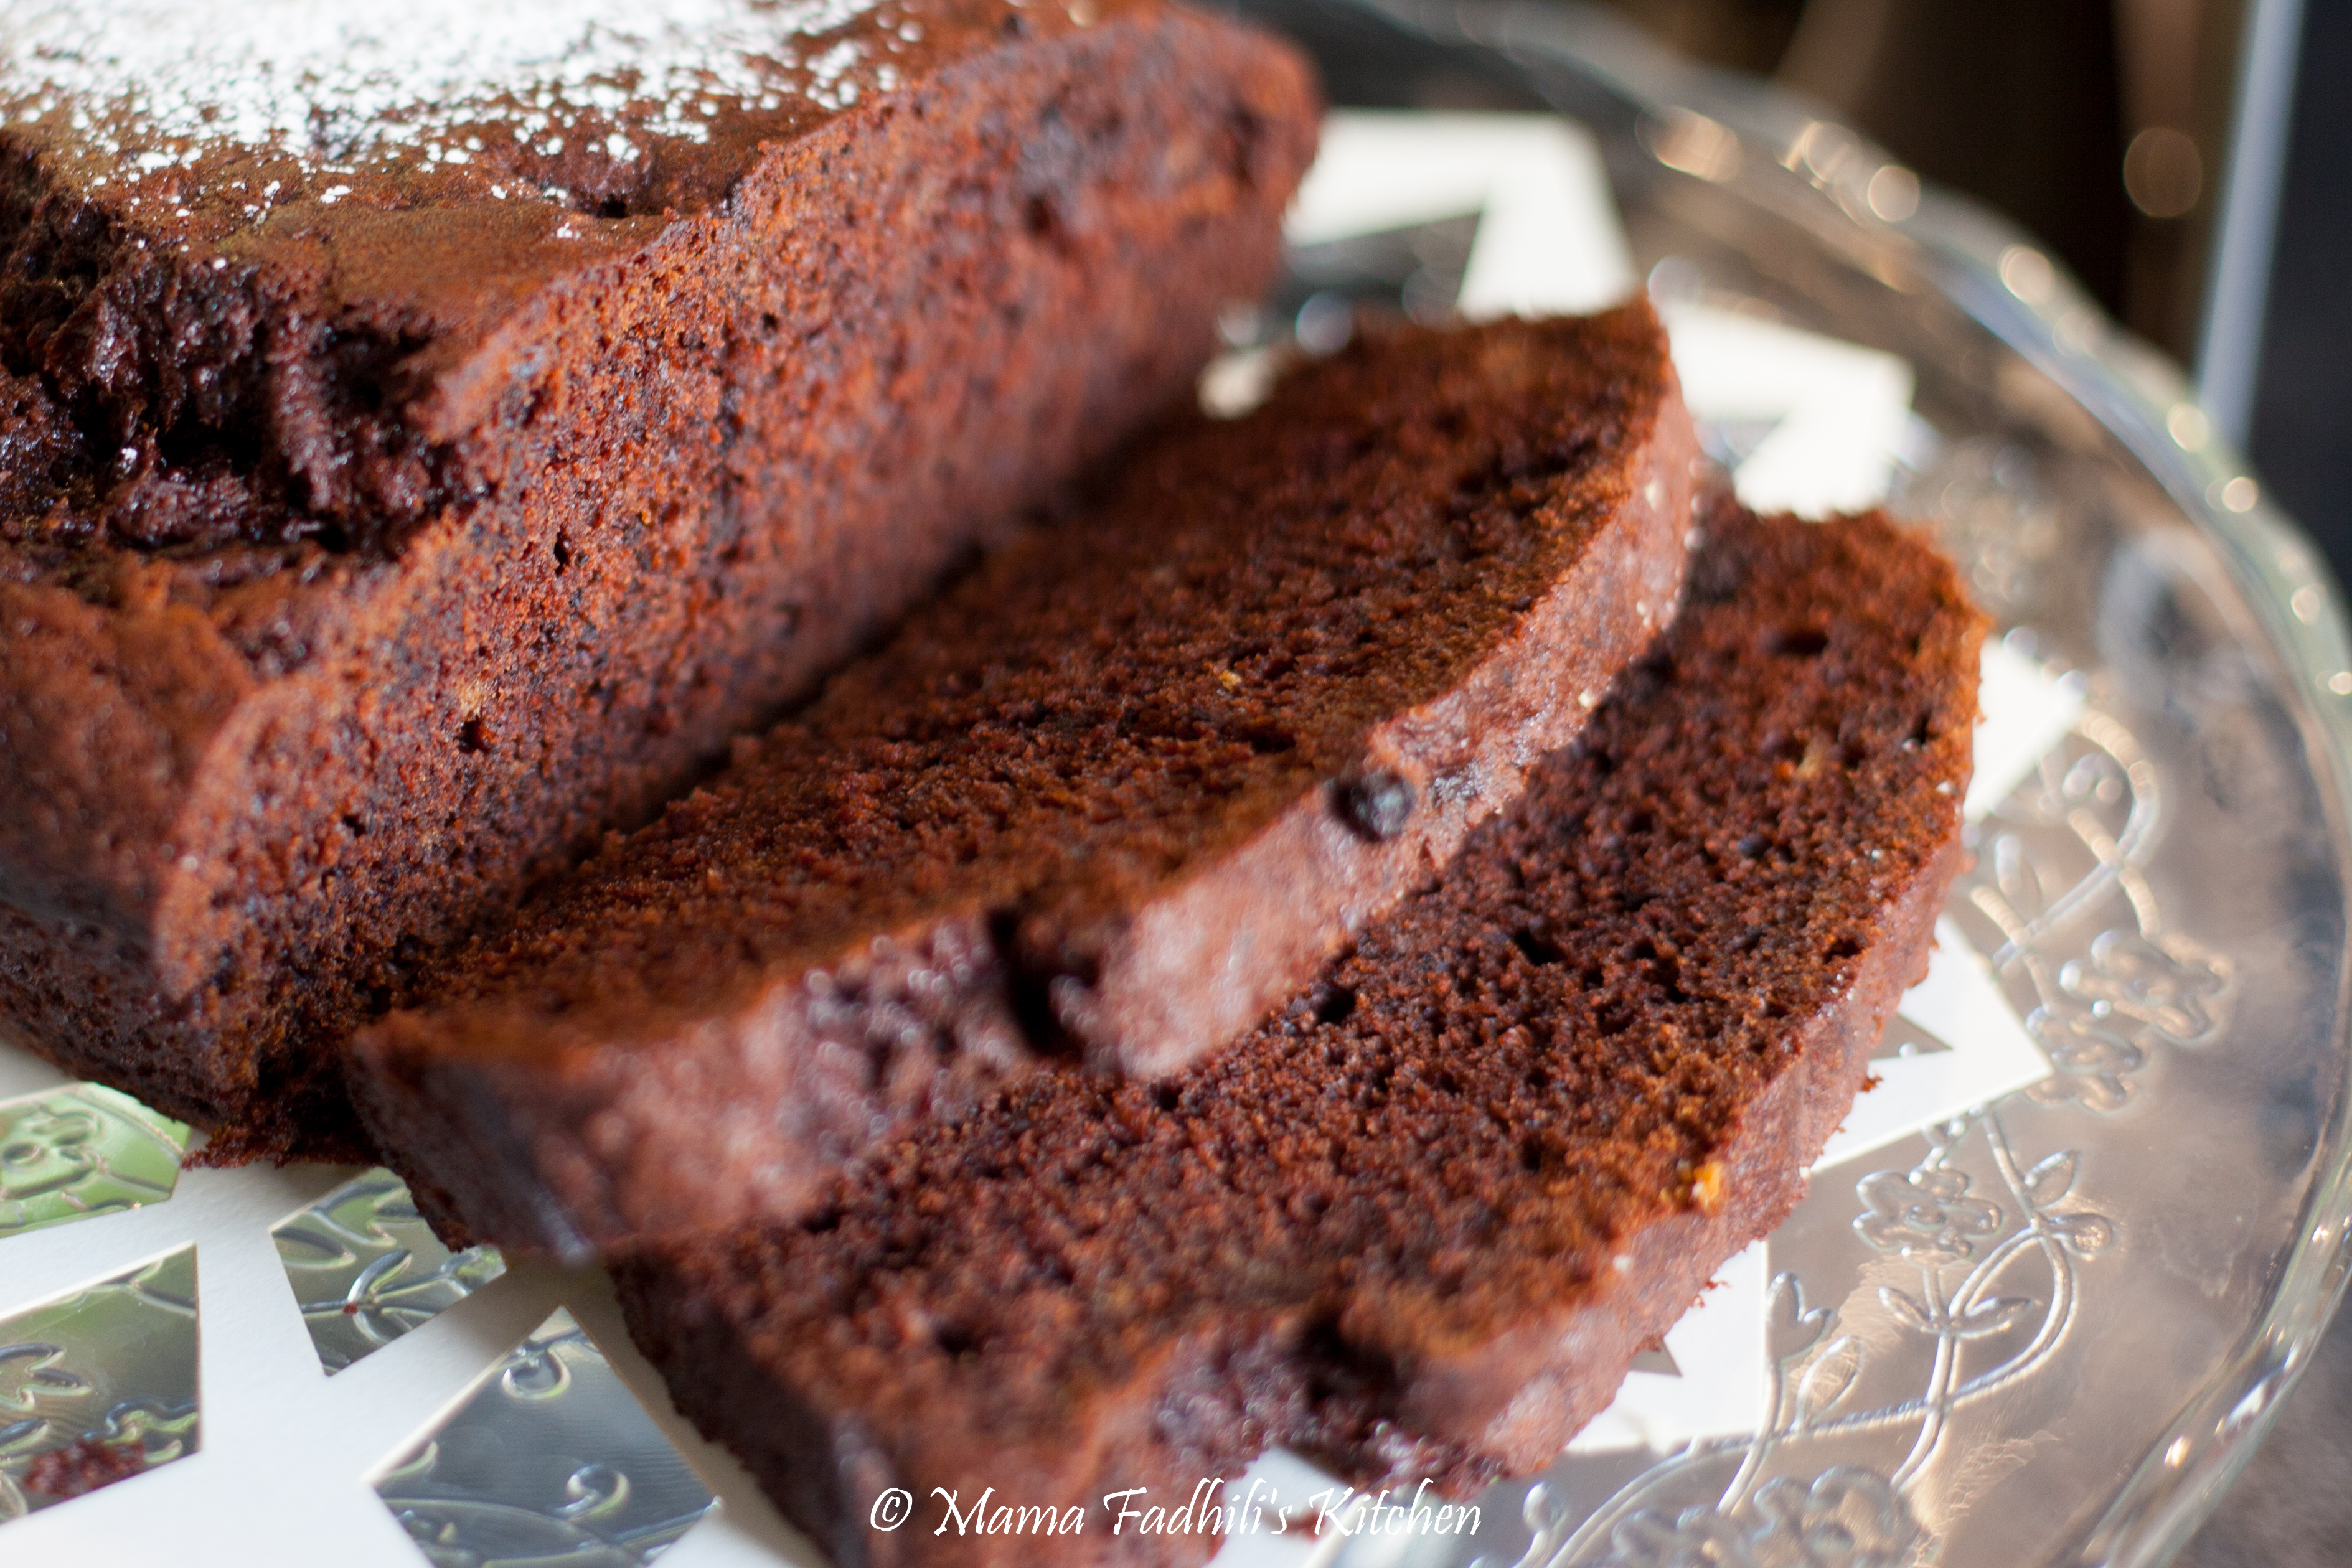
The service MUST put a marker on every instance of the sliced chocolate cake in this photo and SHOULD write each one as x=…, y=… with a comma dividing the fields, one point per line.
x=427, y=433
x=1111, y=799
x=1417, y=1224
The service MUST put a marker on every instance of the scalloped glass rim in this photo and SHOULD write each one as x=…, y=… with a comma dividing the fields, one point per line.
x=1820, y=175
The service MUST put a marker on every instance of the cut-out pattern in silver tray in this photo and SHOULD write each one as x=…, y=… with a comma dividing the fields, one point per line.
x=83, y=1150
x=98, y=1385
x=367, y=1269
x=550, y=1460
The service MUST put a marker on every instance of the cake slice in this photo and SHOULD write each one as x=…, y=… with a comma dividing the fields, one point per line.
x=427, y=437
x=1416, y=1225
x=1113, y=797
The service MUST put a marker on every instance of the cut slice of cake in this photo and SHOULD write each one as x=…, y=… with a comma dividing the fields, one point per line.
x=427, y=435
x=1416, y=1225
x=1114, y=796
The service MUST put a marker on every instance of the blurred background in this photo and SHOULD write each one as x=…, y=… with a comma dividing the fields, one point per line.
x=2190, y=159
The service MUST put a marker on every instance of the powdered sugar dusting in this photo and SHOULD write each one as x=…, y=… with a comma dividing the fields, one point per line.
x=341, y=83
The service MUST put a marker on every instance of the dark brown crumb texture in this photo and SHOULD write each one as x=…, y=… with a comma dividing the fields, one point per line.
x=365, y=557
x=1418, y=1223
x=1114, y=796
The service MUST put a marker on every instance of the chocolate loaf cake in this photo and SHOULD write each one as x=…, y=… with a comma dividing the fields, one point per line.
x=427, y=437
x=1416, y=1225
x=1113, y=797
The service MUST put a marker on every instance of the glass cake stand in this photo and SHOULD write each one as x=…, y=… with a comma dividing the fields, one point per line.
x=2051, y=1329
x=2040, y=1316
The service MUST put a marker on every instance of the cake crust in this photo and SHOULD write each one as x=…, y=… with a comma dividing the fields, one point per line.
x=1417, y=1224
x=1112, y=798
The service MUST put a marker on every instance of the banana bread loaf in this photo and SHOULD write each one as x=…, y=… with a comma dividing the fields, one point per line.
x=1114, y=796
x=1416, y=1225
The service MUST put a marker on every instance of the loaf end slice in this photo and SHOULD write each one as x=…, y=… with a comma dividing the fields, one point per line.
x=1417, y=1224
